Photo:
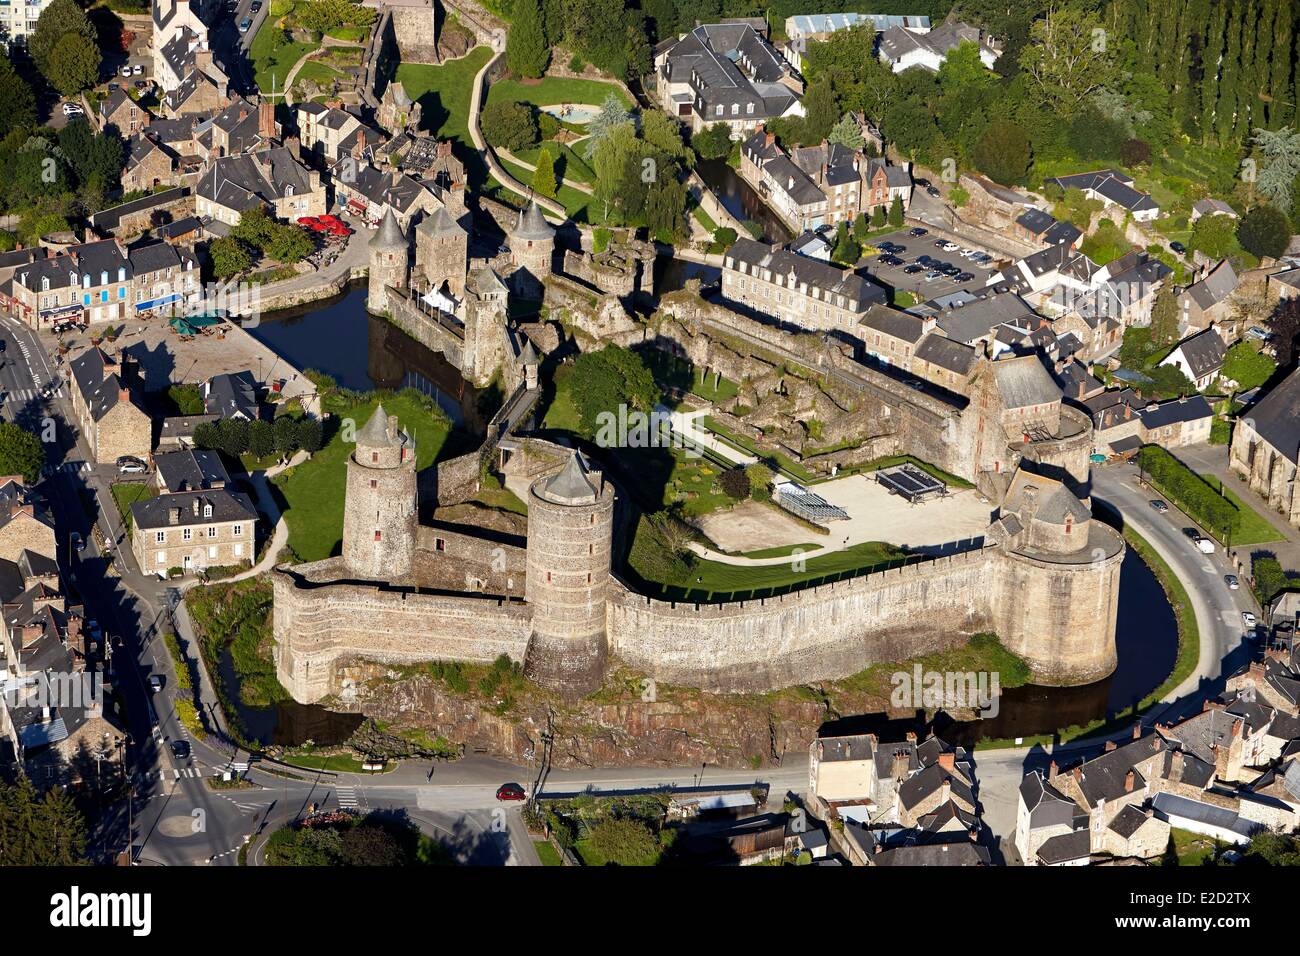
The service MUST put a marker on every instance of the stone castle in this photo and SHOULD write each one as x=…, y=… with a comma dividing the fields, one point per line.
x=1046, y=581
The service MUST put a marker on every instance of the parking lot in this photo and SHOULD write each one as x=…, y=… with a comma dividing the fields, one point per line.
x=897, y=276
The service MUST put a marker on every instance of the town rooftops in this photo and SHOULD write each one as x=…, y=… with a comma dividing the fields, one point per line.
x=752, y=256
x=98, y=379
x=978, y=316
x=730, y=65
x=1111, y=184
x=1203, y=351
x=892, y=322
x=231, y=394
x=943, y=352
x=103, y=262
x=1023, y=381
x=850, y=747
x=1052, y=502
x=1175, y=411
x=1212, y=207
x=1065, y=848
x=1220, y=283
x=191, y=470
x=244, y=181
x=814, y=23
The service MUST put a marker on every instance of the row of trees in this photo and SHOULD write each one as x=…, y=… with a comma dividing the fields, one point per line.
x=237, y=436
x=1190, y=491
x=65, y=47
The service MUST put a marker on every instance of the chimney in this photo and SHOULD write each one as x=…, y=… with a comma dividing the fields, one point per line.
x=1236, y=727
x=911, y=736
x=1078, y=772
x=948, y=761
x=1052, y=770
x=1128, y=781
x=195, y=506
x=173, y=515
x=900, y=764
x=1137, y=730
x=123, y=395
x=1111, y=745
x=946, y=794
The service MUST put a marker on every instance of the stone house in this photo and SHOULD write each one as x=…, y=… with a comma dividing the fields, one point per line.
x=189, y=470
x=1205, y=303
x=1112, y=187
x=271, y=178
x=801, y=291
x=123, y=113
x=371, y=193
x=105, y=406
x=193, y=530
x=198, y=95
x=25, y=523
x=991, y=205
x=890, y=337
x=1211, y=207
x=1040, y=227
x=1199, y=357
x=945, y=363
x=1265, y=445
x=332, y=133
x=148, y=164
x=1285, y=284
x=903, y=48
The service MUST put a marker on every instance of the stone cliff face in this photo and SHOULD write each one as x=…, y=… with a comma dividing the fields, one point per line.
x=682, y=728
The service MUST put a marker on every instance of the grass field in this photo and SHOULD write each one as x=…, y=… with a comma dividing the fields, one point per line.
x=568, y=164
x=1255, y=528
x=314, y=71
x=127, y=493
x=313, y=491
x=547, y=853
x=269, y=61
x=553, y=90
x=443, y=93
x=574, y=201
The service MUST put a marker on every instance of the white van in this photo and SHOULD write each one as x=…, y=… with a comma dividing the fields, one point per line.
x=1205, y=545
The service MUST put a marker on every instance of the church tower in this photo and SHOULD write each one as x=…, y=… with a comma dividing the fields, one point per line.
x=389, y=256
x=379, y=519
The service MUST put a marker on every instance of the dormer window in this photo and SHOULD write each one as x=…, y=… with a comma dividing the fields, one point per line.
x=85, y=281
x=45, y=284
x=207, y=511
x=121, y=274
x=103, y=278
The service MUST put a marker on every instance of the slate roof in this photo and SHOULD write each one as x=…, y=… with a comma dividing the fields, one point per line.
x=153, y=513
x=570, y=484
x=830, y=279
x=896, y=41
x=100, y=388
x=1066, y=848
x=191, y=470
x=533, y=225
x=231, y=394
x=1023, y=381
x=1171, y=804
x=1047, y=806
x=1277, y=417
x=892, y=322
x=1204, y=352
x=851, y=747
x=1103, y=777
x=1188, y=409
x=946, y=354
x=243, y=181
x=710, y=59
x=1112, y=184
x=929, y=781
x=958, y=853
x=1215, y=287
x=972, y=321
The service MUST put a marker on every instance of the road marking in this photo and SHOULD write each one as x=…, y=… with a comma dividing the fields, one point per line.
x=347, y=797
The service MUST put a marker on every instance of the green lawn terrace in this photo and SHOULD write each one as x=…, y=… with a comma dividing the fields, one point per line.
x=444, y=92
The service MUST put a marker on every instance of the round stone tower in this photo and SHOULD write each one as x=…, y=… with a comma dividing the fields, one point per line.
x=379, y=519
x=389, y=255
x=532, y=243
x=570, y=534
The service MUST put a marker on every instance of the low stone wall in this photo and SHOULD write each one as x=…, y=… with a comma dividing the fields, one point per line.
x=320, y=629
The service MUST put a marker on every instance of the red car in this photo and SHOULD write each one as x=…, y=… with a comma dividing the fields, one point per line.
x=511, y=791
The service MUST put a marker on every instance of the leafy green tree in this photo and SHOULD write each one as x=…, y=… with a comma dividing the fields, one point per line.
x=187, y=399
x=878, y=217
x=21, y=453
x=603, y=380
x=207, y=435
x=233, y=436
x=1216, y=236
x=1003, y=153
x=847, y=133
x=288, y=244
x=286, y=435
x=509, y=126
x=261, y=439
x=544, y=175
x=896, y=212
x=73, y=64
x=1279, y=155
x=846, y=250
x=1264, y=231
x=309, y=435
x=821, y=111
x=1063, y=58
x=17, y=101
x=527, y=52
x=613, y=115
x=664, y=133
x=59, y=19
x=713, y=142
x=229, y=257
x=1284, y=324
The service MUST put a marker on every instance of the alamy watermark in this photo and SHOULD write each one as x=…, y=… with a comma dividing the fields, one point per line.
x=918, y=689
x=632, y=428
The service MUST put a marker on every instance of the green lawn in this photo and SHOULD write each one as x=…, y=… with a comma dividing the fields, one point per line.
x=351, y=34
x=553, y=90
x=268, y=60
x=313, y=491
x=713, y=581
x=575, y=201
x=1192, y=848
x=568, y=164
x=443, y=93
x=547, y=853
x=127, y=493
x=314, y=71
x=1255, y=528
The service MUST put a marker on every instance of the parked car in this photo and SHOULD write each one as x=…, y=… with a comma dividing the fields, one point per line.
x=913, y=269
x=511, y=791
x=931, y=191
x=949, y=246
x=78, y=543
x=965, y=276
x=931, y=276
x=127, y=465
x=921, y=182
x=126, y=70
x=256, y=7
x=918, y=232
x=940, y=243
x=1248, y=618
x=1231, y=581
x=72, y=109
x=137, y=70
x=155, y=683
x=1205, y=545
x=1159, y=507
x=244, y=24
x=1178, y=247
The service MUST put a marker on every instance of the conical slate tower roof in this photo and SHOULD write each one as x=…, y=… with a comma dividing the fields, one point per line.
x=533, y=225
x=374, y=434
x=529, y=356
x=390, y=234
x=570, y=485
x=442, y=224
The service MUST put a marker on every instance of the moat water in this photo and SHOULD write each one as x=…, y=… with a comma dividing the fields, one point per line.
x=362, y=352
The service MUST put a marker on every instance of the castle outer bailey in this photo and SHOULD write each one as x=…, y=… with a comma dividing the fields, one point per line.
x=1047, y=582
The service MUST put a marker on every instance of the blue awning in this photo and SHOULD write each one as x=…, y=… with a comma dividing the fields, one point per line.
x=154, y=303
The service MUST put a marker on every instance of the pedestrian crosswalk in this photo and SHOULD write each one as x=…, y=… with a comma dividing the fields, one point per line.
x=186, y=772
x=347, y=798
x=33, y=394
x=67, y=468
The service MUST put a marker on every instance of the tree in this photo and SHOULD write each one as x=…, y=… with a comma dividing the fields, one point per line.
x=309, y=435
x=207, y=435
x=1264, y=231
x=59, y=19
x=509, y=126
x=232, y=436
x=289, y=244
x=735, y=483
x=261, y=439
x=21, y=453
x=17, y=101
x=613, y=115
x=713, y=142
x=1284, y=324
x=846, y=250
x=187, y=399
x=603, y=380
x=73, y=65
x=1164, y=318
x=896, y=212
x=39, y=830
x=1215, y=235
x=286, y=435
x=1064, y=60
x=527, y=52
x=1246, y=365
x=820, y=110
x=229, y=257
x=847, y=133
x=1279, y=153
x=544, y=174
x=664, y=133
x=1135, y=152
x=1003, y=153
x=878, y=217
